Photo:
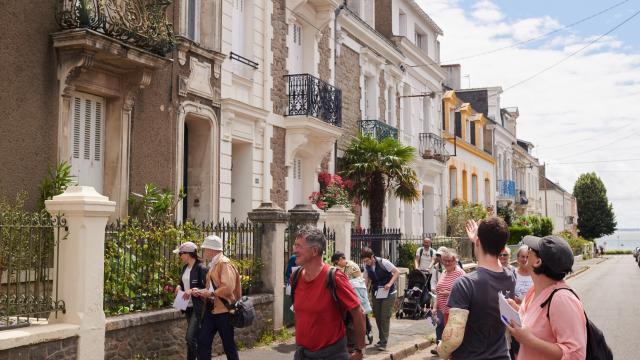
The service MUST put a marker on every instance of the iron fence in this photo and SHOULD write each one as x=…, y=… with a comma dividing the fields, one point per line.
x=310, y=96
x=384, y=243
x=142, y=23
x=141, y=269
x=29, y=244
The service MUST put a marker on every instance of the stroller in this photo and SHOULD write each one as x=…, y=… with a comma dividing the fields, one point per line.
x=416, y=296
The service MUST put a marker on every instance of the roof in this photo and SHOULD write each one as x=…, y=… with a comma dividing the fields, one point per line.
x=550, y=185
x=425, y=17
x=479, y=99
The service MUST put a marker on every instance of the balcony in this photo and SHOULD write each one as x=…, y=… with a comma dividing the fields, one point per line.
x=507, y=188
x=310, y=96
x=139, y=23
x=432, y=147
x=377, y=129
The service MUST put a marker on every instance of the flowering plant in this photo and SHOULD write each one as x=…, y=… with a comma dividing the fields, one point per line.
x=333, y=191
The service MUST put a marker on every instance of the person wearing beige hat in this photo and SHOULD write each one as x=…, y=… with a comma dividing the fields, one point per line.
x=223, y=282
x=192, y=277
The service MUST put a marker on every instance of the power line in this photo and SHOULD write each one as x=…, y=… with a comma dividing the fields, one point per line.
x=585, y=139
x=573, y=53
x=488, y=52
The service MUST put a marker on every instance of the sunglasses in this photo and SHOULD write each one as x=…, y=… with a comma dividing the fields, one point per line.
x=504, y=255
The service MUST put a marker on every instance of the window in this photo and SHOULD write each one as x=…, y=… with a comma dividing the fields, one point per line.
x=419, y=39
x=453, y=182
x=369, y=97
x=438, y=51
x=402, y=24
x=458, y=124
x=239, y=28
x=467, y=131
x=87, y=145
x=472, y=132
x=452, y=124
x=474, y=188
x=426, y=111
x=192, y=19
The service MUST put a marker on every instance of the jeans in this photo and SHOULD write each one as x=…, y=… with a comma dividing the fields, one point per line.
x=212, y=324
x=382, y=312
x=440, y=325
x=193, y=329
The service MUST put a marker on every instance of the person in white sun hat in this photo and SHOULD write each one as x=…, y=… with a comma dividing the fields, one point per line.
x=192, y=277
x=223, y=282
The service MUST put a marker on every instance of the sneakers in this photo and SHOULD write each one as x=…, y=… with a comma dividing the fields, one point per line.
x=381, y=346
x=369, y=339
x=434, y=351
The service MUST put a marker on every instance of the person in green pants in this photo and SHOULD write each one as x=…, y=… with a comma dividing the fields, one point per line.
x=381, y=276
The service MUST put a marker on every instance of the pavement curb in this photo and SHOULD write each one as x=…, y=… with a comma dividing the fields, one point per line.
x=401, y=351
x=585, y=268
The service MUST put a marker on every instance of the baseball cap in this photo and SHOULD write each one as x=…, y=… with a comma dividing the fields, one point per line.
x=187, y=247
x=212, y=242
x=554, y=252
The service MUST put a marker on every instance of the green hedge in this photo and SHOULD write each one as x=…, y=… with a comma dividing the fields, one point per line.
x=618, y=252
x=407, y=255
x=516, y=233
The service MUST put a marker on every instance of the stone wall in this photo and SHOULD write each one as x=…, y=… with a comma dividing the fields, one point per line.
x=162, y=333
x=384, y=23
x=348, y=79
x=324, y=52
x=279, y=62
x=28, y=97
x=62, y=349
x=382, y=105
x=278, y=167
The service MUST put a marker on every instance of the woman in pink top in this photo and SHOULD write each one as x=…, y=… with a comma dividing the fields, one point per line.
x=451, y=273
x=563, y=334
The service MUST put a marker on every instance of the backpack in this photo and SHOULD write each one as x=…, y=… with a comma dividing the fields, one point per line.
x=331, y=284
x=597, y=348
x=422, y=250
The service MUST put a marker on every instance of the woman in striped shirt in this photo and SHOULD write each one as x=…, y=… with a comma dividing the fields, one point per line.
x=451, y=273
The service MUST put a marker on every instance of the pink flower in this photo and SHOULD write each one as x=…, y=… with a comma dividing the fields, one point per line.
x=321, y=204
x=348, y=184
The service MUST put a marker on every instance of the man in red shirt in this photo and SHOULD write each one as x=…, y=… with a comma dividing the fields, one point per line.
x=320, y=328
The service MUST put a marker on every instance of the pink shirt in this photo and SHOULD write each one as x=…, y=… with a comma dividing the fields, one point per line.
x=566, y=325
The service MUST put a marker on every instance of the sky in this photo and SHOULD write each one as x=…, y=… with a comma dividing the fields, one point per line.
x=582, y=114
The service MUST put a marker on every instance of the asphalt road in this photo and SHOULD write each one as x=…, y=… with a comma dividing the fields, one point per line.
x=610, y=292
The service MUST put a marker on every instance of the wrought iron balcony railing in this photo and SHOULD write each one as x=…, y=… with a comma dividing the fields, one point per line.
x=432, y=147
x=507, y=188
x=377, y=129
x=310, y=96
x=141, y=23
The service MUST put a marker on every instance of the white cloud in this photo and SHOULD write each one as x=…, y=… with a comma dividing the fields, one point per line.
x=591, y=97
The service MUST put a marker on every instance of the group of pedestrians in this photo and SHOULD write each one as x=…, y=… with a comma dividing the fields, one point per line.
x=208, y=290
x=331, y=303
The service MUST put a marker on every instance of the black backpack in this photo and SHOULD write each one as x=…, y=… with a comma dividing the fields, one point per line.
x=597, y=348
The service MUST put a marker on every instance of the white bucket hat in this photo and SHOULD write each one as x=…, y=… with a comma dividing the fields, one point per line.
x=212, y=242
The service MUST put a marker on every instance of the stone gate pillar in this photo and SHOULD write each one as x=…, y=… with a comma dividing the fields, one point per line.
x=340, y=219
x=80, y=265
x=274, y=221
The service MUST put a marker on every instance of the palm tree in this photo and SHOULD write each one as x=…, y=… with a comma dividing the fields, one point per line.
x=375, y=167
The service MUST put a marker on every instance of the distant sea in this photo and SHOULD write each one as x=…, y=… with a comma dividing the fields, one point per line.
x=622, y=239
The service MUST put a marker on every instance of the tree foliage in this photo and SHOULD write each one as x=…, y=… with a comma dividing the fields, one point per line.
x=374, y=167
x=595, y=212
x=539, y=225
x=457, y=217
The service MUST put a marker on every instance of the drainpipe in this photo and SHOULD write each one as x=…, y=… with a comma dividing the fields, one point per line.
x=335, y=69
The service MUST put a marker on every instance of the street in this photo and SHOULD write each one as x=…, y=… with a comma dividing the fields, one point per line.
x=610, y=292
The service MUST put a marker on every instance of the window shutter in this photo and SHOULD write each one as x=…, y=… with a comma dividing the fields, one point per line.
x=472, y=130
x=77, y=119
x=87, y=130
x=97, y=156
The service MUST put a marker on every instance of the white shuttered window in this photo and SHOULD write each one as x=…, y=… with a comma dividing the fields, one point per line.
x=87, y=145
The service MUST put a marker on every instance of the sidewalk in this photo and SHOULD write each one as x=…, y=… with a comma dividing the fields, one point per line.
x=405, y=338
x=580, y=266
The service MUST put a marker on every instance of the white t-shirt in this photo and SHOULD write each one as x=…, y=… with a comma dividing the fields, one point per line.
x=425, y=258
x=388, y=265
x=186, y=282
x=523, y=283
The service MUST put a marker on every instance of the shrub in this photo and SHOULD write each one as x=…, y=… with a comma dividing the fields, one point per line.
x=540, y=226
x=457, y=217
x=55, y=183
x=577, y=243
x=516, y=233
x=154, y=205
x=618, y=252
x=407, y=254
x=507, y=214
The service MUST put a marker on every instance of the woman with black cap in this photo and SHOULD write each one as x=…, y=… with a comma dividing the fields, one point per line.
x=552, y=317
x=192, y=276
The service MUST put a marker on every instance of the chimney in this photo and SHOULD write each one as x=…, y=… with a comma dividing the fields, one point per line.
x=453, y=72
